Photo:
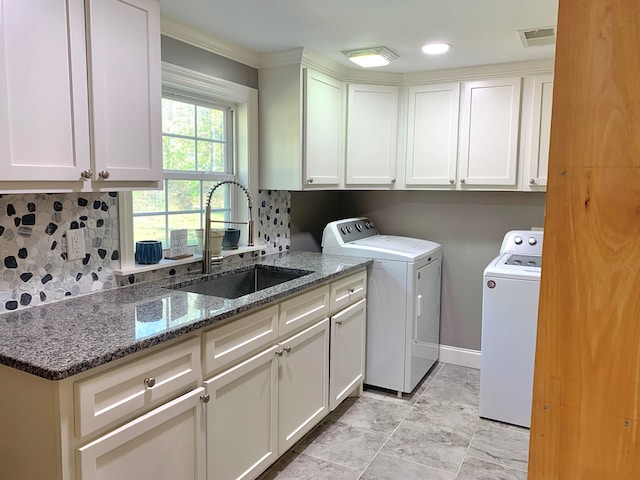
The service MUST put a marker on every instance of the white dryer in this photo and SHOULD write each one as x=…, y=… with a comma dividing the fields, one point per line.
x=511, y=287
x=403, y=301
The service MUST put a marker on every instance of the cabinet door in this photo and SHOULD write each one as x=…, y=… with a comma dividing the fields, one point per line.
x=124, y=66
x=44, y=116
x=303, y=381
x=242, y=418
x=372, y=132
x=323, y=129
x=537, y=151
x=432, y=138
x=347, y=345
x=489, y=124
x=165, y=444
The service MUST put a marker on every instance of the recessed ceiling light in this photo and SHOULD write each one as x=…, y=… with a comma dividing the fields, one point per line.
x=436, y=48
x=371, y=57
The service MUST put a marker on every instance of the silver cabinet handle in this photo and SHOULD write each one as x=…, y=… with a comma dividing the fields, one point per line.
x=104, y=174
x=205, y=397
x=339, y=322
x=393, y=180
x=452, y=181
x=149, y=382
x=532, y=181
x=462, y=180
x=310, y=180
x=287, y=349
x=279, y=352
x=86, y=174
x=351, y=290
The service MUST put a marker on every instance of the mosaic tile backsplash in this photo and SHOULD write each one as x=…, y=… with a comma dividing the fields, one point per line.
x=274, y=222
x=33, y=265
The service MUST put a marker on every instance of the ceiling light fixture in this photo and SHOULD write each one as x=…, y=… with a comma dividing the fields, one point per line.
x=371, y=57
x=436, y=48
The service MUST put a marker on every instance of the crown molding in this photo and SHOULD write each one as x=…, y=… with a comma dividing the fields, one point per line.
x=178, y=31
x=531, y=67
x=282, y=58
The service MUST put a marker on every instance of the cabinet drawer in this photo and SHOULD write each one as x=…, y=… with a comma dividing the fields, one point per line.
x=304, y=309
x=228, y=343
x=348, y=290
x=120, y=393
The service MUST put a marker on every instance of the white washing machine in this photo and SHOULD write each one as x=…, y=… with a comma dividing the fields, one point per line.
x=403, y=301
x=509, y=325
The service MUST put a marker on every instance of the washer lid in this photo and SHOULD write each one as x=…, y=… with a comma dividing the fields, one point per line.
x=394, y=247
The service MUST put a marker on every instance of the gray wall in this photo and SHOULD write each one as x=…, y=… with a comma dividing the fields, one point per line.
x=469, y=225
x=194, y=58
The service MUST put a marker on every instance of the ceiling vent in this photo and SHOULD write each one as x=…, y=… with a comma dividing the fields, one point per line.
x=535, y=37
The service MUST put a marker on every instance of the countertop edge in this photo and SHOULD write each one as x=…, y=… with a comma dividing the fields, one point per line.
x=179, y=331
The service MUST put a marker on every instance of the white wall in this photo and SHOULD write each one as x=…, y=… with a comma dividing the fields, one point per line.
x=469, y=225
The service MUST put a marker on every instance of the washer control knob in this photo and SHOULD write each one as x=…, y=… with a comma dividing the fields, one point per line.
x=517, y=240
x=358, y=227
x=349, y=229
x=343, y=230
x=532, y=241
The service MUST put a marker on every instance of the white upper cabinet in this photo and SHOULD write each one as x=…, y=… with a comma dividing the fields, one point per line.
x=489, y=126
x=44, y=113
x=372, y=133
x=301, y=118
x=323, y=129
x=80, y=94
x=124, y=65
x=537, y=144
x=432, y=135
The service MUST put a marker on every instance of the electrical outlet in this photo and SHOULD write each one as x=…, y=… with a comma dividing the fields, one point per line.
x=75, y=244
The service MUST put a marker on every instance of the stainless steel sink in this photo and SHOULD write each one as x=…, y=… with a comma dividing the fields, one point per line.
x=244, y=282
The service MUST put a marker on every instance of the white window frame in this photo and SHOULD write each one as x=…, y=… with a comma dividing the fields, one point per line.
x=201, y=176
x=246, y=153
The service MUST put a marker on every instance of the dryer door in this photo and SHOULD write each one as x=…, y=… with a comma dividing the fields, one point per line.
x=425, y=343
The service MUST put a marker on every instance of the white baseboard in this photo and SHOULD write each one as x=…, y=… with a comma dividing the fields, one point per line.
x=459, y=356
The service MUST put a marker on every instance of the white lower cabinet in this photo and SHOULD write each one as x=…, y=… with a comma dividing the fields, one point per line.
x=303, y=381
x=347, y=352
x=268, y=380
x=242, y=418
x=261, y=407
x=164, y=444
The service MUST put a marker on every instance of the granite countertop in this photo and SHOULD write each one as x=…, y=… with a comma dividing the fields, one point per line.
x=61, y=339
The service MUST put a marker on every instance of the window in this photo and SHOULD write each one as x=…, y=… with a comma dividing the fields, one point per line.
x=240, y=103
x=197, y=151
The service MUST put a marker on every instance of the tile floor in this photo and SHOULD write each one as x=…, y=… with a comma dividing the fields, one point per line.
x=433, y=434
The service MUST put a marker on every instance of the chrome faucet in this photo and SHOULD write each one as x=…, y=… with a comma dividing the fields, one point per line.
x=206, y=254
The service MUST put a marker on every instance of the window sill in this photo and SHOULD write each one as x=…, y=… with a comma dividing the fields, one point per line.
x=197, y=257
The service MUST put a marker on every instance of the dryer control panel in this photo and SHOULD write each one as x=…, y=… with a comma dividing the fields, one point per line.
x=347, y=231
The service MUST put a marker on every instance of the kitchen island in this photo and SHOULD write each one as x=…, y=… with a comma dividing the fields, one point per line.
x=148, y=381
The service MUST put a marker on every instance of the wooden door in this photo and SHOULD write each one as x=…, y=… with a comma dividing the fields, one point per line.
x=585, y=419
